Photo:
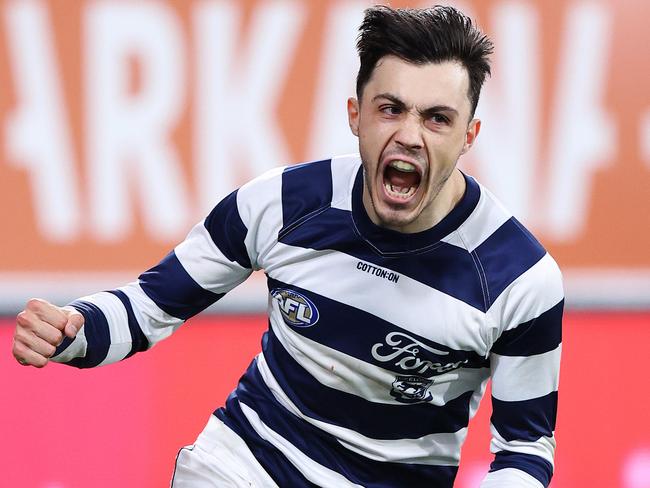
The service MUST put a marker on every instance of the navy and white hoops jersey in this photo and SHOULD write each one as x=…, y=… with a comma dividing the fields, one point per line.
x=379, y=344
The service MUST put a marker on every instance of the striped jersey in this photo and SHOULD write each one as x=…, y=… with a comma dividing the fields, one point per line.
x=379, y=345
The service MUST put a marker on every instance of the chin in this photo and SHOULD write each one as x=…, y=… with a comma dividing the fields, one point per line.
x=396, y=220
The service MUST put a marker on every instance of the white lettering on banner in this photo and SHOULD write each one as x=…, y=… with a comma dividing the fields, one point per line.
x=37, y=134
x=336, y=82
x=129, y=135
x=238, y=89
x=130, y=156
x=582, y=134
x=507, y=148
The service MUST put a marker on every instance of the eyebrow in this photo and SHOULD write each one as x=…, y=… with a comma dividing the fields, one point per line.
x=426, y=113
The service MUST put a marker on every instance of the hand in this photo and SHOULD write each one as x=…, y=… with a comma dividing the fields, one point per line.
x=40, y=328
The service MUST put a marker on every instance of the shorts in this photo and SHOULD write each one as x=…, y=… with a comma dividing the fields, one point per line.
x=218, y=458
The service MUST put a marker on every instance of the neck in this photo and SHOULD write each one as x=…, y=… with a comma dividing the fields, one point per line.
x=448, y=197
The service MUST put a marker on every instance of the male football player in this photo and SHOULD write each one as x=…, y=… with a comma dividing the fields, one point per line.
x=398, y=286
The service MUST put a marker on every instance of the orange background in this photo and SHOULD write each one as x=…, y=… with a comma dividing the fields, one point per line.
x=616, y=233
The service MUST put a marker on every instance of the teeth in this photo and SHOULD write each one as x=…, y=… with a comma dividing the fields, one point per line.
x=399, y=191
x=402, y=166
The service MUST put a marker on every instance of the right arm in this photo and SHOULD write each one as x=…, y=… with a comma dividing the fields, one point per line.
x=110, y=326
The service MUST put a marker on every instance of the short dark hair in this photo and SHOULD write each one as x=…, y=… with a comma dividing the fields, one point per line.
x=430, y=35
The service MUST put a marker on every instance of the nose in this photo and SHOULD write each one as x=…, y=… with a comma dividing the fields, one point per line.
x=409, y=133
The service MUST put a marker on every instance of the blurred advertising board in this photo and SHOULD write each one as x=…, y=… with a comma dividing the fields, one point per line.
x=123, y=123
x=122, y=424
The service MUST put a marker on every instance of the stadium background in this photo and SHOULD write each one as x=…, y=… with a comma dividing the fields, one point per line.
x=122, y=123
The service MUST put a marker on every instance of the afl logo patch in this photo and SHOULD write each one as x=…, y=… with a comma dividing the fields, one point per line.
x=296, y=308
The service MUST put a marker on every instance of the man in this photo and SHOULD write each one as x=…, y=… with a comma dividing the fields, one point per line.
x=397, y=287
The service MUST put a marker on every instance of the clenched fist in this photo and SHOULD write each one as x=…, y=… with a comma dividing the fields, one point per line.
x=40, y=328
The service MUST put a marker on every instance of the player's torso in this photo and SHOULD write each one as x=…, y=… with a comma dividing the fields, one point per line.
x=374, y=325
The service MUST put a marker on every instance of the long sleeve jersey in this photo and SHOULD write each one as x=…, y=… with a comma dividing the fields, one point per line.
x=379, y=344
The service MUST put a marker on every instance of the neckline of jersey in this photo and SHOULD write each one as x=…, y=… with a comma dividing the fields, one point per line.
x=388, y=241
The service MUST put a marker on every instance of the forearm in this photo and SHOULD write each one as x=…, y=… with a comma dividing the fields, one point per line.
x=117, y=324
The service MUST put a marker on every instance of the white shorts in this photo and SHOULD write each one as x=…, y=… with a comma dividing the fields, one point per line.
x=219, y=458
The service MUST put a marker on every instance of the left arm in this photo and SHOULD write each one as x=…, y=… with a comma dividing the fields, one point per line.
x=525, y=363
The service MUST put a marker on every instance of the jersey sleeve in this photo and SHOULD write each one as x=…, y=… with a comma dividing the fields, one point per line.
x=525, y=365
x=218, y=254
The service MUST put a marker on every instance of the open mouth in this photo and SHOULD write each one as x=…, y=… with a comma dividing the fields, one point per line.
x=401, y=179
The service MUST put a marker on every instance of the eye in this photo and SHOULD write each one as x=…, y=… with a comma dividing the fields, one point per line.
x=391, y=110
x=440, y=119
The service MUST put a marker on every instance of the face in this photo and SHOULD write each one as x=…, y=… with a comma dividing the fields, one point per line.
x=413, y=122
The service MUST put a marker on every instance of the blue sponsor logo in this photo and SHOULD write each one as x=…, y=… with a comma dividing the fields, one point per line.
x=297, y=310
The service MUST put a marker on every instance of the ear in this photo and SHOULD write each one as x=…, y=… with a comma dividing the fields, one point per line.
x=353, y=115
x=473, y=128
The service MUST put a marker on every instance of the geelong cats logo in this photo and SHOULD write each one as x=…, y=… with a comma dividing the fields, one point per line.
x=411, y=389
x=296, y=308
